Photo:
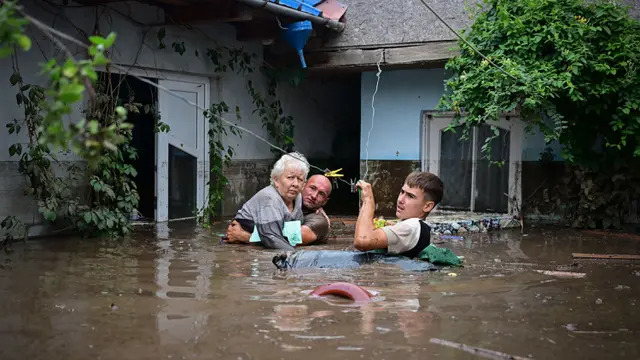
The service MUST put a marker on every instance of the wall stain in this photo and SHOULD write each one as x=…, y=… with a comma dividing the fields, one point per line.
x=386, y=178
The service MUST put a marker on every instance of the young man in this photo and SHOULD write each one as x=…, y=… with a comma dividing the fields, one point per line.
x=421, y=192
x=316, y=226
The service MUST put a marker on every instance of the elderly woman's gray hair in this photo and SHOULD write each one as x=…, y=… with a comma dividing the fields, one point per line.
x=293, y=160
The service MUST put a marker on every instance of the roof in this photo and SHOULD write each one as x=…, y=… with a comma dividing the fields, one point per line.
x=393, y=22
x=388, y=23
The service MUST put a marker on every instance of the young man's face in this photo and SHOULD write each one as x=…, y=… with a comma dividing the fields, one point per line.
x=412, y=203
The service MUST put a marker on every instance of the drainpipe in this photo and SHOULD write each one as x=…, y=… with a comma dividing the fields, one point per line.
x=287, y=11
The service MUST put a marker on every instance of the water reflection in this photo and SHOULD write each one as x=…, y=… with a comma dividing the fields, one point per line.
x=178, y=294
x=183, y=277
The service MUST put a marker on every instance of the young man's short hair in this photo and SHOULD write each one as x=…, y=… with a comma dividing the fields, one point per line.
x=430, y=184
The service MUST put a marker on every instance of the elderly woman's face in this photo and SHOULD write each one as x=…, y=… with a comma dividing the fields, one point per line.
x=290, y=183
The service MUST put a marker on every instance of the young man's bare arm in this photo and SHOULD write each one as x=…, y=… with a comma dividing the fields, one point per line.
x=367, y=237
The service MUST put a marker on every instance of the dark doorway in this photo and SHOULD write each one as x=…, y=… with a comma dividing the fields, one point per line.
x=183, y=185
x=132, y=90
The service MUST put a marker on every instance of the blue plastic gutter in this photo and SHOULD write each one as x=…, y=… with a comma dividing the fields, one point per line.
x=283, y=10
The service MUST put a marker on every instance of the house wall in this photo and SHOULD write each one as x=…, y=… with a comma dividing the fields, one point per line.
x=321, y=108
x=138, y=45
x=395, y=140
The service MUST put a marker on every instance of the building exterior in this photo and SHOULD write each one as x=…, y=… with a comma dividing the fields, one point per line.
x=353, y=49
x=410, y=47
x=175, y=44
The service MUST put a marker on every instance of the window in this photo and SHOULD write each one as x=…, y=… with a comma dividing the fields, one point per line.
x=470, y=183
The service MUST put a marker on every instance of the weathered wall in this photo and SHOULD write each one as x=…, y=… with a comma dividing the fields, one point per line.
x=395, y=140
x=326, y=113
x=138, y=45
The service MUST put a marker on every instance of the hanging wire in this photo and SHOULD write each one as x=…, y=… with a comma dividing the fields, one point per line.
x=465, y=40
x=373, y=115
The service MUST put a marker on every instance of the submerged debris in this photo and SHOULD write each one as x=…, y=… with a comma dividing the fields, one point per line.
x=564, y=274
x=489, y=354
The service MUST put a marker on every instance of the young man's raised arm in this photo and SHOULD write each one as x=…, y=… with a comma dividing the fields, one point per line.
x=367, y=237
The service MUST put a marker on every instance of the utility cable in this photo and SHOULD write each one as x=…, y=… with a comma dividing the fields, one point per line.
x=373, y=115
x=465, y=41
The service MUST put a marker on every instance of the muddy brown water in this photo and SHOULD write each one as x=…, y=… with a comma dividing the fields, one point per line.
x=175, y=293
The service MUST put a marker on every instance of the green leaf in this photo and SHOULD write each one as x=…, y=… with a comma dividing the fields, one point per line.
x=49, y=215
x=96, y=40
x=5, y=51
x=15, y=78
x=108, y=42
x=71, y=93
x=121, y=111
x=24, y=42
x=89, y=72
x=87, y=217
x=69, y=69
x=92, y=127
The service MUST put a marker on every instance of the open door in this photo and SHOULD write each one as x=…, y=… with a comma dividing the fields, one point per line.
x=181, y=158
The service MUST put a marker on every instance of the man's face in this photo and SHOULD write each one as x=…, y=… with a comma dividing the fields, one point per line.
x=412, y=203
x=316, y=192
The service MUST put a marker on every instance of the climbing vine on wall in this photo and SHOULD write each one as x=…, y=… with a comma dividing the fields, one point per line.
x=278, y=125
x=93, y=138
x=220, y=157
x=103, y=137
x=111, y=196
x=574, y=77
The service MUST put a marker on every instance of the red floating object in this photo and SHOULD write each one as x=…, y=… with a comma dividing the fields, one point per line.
x=344, y=289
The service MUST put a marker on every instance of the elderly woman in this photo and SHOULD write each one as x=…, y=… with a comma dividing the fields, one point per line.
x=269, y=212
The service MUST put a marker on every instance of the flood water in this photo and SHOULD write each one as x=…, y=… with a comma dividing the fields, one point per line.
x=177, y=294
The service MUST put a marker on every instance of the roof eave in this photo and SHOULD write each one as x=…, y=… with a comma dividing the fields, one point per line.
x=267, y=5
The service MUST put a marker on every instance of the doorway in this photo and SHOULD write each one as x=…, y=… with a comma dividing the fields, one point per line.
x=131, y=90
x=182, y=152
x=173, y=170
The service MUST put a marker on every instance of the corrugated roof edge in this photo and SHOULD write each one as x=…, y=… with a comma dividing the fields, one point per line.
x=272, y=6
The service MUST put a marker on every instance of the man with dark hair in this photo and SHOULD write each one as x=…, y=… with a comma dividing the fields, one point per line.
x=315, y=227
x=421, y=192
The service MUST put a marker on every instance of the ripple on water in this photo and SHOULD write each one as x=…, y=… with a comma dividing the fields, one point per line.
x=176, y=292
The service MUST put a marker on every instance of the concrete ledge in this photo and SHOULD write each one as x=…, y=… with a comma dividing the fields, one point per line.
x=449, y=224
